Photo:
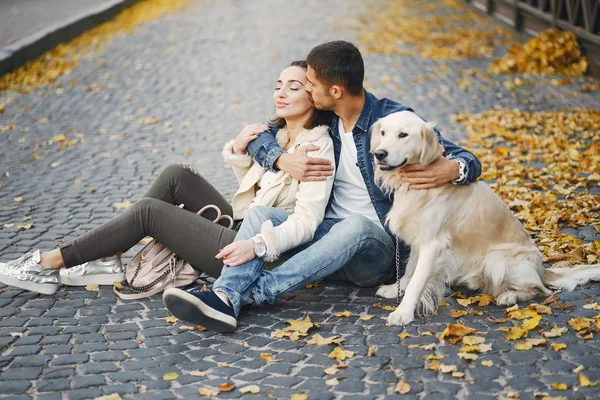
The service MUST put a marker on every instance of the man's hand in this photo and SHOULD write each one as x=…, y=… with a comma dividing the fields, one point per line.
x=248, y=134
x=304, y=168
x=237, y=253
x=438, y=173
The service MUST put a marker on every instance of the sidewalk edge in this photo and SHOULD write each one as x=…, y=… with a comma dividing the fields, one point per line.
x=31, y=47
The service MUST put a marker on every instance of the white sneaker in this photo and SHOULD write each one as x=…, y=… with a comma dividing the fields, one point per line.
x=26, y=273
x=104, y=271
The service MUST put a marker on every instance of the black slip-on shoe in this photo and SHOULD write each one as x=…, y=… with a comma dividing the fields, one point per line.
x=200, y=306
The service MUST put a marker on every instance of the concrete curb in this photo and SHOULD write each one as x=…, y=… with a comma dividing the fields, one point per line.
x=30, y=47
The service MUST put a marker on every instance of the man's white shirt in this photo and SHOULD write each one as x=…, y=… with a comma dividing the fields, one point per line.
x=350, y=195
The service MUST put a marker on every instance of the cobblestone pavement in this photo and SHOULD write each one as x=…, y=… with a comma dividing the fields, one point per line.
x=205, y=72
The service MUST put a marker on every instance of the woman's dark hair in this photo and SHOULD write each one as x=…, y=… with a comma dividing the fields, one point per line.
x=318, y=117
x=338, y=63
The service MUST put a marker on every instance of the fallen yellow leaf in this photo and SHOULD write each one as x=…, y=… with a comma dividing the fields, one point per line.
x=301, y=326
x=469, y=349
x=170, y=376
x=299, y=396
x=487, y=363
x=457, y=313
x=434, y=357
x=266, y=356
x=515, y=333
x=366, y=317
x=331, y=370
x=559, y=386
x=433, y=366
x=558, y=346
x=464, y=302
x=531, y=323
x=340, y=354
x=118, y=285
x=343, y=314
x=319, y=340
x=402, y=387
x=114, y=396
x=92, y=287
x=447, y=369
x=371, y=351
x=555, y=332
x=252, y=389
x=171, y=320
x=456, y=330
x=468, y=356
x=208, y=392
x=540, y=309
x=484, y=299
x=579, y=323
x=472, y=340
x=585, y=381
x=332, y=382
x=226, y=387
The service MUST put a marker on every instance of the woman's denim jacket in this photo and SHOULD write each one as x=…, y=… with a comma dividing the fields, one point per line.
x=265, y=150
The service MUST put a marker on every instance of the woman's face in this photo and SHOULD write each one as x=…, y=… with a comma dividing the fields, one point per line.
x=291, y=100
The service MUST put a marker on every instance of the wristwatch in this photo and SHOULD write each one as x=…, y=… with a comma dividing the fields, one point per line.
x=260, y=247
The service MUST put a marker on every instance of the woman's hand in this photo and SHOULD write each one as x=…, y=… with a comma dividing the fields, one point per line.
x=248, y=134
x=237, y=253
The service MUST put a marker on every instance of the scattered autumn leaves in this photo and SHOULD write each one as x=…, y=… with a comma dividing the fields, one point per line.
x=551, y=52
x=511, y=145
x=443, y=30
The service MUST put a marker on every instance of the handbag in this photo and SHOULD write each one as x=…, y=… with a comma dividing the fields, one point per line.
x=156, y=268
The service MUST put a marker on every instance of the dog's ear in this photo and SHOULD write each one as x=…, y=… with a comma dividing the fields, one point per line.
x=430, y=145
x=375, y=136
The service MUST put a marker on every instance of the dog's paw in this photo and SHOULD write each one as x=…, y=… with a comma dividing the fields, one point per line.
x=400, y=317
x=507, y=299
x=388, y=291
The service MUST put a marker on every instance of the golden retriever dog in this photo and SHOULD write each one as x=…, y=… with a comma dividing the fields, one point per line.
x=462, y=234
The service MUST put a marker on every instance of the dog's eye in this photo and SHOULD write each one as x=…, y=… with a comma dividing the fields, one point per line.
x=402, y=135
x=382, y=133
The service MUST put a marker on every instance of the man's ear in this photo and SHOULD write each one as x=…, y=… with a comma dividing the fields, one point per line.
x=336, y=91
x=375, y=136
x=430, y=144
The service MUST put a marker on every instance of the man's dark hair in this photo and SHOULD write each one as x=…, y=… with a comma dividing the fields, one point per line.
x=338, y=63
x=318, y=117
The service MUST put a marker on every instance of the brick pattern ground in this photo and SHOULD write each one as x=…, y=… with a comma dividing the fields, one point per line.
x=206, y=72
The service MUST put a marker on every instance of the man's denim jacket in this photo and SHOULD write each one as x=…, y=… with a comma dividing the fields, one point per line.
x=265, y=150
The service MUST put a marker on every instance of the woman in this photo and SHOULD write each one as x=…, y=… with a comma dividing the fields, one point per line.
x=195, y=238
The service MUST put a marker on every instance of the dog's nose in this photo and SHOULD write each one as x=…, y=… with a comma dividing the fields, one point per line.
x=381, y=154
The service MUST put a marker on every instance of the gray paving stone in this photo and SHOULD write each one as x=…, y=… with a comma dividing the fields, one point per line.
x=88, y=381
x=83, y=394
x=70, y=359
x=53, y=385
x=99, y=368
x=16, y=387
x=29, y=373
x=31, y=361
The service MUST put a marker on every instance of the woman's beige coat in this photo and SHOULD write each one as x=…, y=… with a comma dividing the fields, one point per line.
x=305, y=200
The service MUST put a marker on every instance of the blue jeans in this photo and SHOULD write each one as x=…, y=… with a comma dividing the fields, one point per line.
x=353, y=249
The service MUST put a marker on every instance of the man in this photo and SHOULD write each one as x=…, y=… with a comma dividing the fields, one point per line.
x=352, y=242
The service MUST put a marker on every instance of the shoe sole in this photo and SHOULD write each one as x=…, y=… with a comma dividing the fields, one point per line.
x=189, y=308
x=108, y=279
x=43, y=288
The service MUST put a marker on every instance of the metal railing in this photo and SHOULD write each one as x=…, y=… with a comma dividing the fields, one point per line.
x=582, y=17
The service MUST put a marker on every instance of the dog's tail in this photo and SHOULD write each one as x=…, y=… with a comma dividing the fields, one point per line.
x=568, y=278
